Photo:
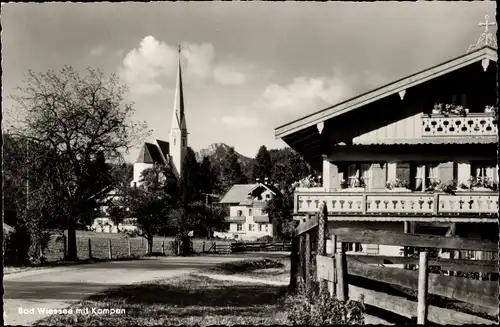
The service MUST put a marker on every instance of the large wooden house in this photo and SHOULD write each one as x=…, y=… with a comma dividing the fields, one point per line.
x=418, y=155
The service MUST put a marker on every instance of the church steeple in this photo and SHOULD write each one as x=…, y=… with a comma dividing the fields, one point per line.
x=178, y=130
x=178, y=118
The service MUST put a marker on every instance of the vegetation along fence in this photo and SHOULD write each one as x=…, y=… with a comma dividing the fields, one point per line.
x=425, y=294
x=118, y=247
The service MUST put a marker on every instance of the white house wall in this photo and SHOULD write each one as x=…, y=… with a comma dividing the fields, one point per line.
x=408, y=128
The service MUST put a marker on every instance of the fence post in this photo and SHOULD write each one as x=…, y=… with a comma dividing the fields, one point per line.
x=293, y=264
x=129, y=248
x=341, y=265
x=422, y=289
x=90, y=248
x=163, y=247
x=179, y=248
x=331, y=284
x=215, y=247
x=109, y=249
x=322, y=221
x=203, y=247
x=302, y=248
x=65, y=247
x=308, y=276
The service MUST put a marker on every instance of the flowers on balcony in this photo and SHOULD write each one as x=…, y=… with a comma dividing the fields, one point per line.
x=397, y=184
x=308, y=182
x=449, y=109
x=353, y=183
x=482, y=183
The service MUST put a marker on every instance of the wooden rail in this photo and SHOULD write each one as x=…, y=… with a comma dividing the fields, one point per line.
x=479, y=295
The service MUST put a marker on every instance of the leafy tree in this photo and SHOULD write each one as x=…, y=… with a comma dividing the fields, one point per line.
x=263, y=165
x=117, y=214
x=81, y=120
x=279, y=209
x=231, y=171
x=208, y=177
x=190, y=184
x=152, y=202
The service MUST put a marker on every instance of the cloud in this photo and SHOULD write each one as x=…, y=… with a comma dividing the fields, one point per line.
x=97, y=51
x=153, y=63
x=232, y=74
x=239, y=121
x=305, y=93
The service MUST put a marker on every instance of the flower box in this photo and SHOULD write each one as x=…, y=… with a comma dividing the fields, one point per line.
x=398, y=189
x=353, y=189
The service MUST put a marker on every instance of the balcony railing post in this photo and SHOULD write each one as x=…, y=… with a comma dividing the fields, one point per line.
x=436, y=203
x=365, y=197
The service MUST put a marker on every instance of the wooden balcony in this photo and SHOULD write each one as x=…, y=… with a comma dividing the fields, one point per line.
x=236, y=219
x=405, y=203
x=474, y=124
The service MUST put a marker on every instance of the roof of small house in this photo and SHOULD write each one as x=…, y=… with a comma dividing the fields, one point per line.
x=401, y=85
x=239, y=193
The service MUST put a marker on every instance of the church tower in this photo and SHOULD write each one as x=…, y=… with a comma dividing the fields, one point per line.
x=178, y=129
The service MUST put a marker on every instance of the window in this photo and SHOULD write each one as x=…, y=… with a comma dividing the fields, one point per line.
x=267, y=227
x=353, y=247
x=268, y=196
x=174, y=141
x=484, y=170
x=260, y=227
x=239, y=213
x=259, y=197
x=239, y=227
x=249, y=212
x=250, y=227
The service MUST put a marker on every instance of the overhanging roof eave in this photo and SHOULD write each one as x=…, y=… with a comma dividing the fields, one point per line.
x=386, y=90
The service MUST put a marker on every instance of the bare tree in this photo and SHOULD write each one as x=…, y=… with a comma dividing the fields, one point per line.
x=83, y=121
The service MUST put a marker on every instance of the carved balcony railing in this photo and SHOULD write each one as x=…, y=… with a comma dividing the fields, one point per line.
x=474, y=124
x=393, y=203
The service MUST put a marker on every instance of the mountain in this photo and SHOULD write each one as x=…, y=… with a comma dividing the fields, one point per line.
x=216, y=153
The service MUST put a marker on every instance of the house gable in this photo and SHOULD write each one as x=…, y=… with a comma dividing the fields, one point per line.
x=393, y=112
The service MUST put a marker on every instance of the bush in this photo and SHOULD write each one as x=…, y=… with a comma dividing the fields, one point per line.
x=186, y=245
x=266, y=238
x=306, y=308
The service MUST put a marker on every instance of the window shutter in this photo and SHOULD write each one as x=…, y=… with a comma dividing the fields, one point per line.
x=379, y=174
x=372, y=249
x=446, y=171
x=403, y=171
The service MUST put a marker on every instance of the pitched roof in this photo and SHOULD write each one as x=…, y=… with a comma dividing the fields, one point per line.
x=150, y=153
x=164, y=148
x=485, y=53
x=238, y=193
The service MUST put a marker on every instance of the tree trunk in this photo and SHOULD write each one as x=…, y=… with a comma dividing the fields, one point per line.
x=150, y=244
x=71, y=254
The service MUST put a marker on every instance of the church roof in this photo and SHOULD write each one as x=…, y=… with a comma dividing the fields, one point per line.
x=150, y=153
x=164, y=147
x=309, y=121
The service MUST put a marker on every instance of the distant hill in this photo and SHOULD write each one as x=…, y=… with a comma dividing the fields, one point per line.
x=216, y=153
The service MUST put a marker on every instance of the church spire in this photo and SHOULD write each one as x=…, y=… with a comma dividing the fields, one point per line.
x=178, y=118
x=486, y=38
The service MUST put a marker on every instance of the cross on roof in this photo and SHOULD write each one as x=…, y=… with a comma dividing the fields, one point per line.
x=486, y=38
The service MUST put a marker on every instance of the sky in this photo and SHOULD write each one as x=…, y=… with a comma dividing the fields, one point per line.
x=248, y=67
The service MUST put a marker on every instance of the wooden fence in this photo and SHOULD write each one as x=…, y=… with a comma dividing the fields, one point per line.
x=428, y=297
x=240, y=247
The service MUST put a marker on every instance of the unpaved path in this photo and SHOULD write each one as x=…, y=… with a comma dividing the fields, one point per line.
x=57, y=288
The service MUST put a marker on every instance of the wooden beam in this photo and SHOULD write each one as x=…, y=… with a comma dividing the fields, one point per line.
x=485, y=266
x=423, y=278
x=308, y=225
x=407, y=308
x=475, y=292
x=353, y=235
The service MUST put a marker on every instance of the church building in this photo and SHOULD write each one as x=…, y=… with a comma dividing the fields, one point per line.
x=169, y=153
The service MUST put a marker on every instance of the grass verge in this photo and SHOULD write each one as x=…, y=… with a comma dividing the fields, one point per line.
x=268, y=269
x=184, y=300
